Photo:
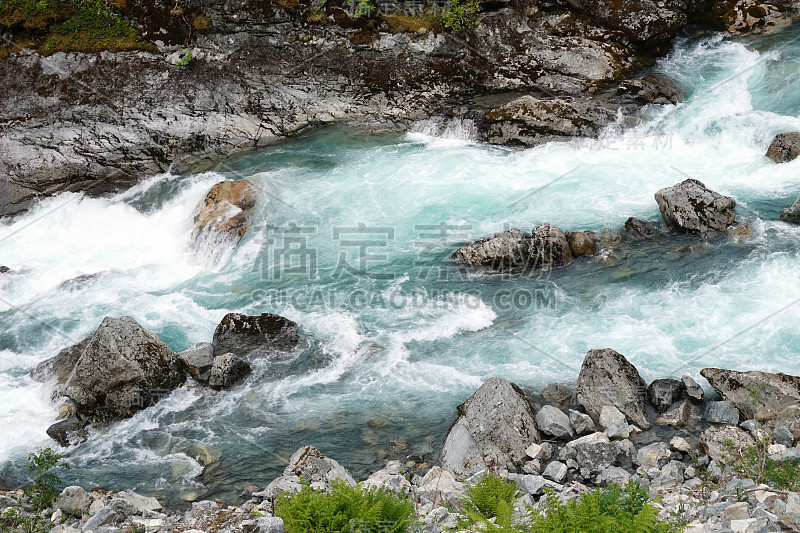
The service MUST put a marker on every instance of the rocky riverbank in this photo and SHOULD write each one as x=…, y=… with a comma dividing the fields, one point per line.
x=699, y=456
x=260, y=71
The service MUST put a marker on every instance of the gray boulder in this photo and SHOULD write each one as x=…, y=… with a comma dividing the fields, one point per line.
x=664, y=392
x=593, y=453
x=722, y=442
x=648, y=22
x=390, y=477
x=264, y=524
x=555, y=471
x=652, y=89
x=494, y=427
x=581, y=422
x=559, y=394
x=653, y=455
x=552, y=421
x=607, y=378
x=792, y=214
x=506, y=251
x=122, y=370
x=74, y=500
x=611, y=416
x=245, y=335
x=308, y=465
x=693, y=390
x=199, y=360
x=549, y=247
x=721, y=413
x=784, y=147
x=439, y=487
x=71, y=430
x=60, y=366
x=773, y=399
x=227, y=370
x=690, y=207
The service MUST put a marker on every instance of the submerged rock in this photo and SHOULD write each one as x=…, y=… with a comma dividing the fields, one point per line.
x=607, y=378
x=581, y=243
x=784, y=147
x=690, y=207
x=792, y=214
x=246, y=335
x=528, y=121
x=123, y=369
x=494, y=427
x=224, y=217
x=69, y=431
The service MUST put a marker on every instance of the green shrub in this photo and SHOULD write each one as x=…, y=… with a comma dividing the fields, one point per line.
x=462, y=14
x=783, y=475
x=361, y=7
x=487, y=495
x=345, y=509
x=611, y=509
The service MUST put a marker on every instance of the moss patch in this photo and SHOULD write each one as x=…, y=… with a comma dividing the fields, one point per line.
x=68, y=26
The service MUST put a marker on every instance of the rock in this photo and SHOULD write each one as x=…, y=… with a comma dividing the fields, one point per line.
x=613, y=474
x=782, y=435
x=198, y=360
x=678, y=414
x=60, y=366
x=735, y=511
x=638, y=229
x=552, y=421
x=664, y=392
x=549, y=247
x=784, y=147
x=440, y=487
x=721, y=413
x=264, y=524
x=652, y=89
x=644, y=21
x=607, y=378
x=792, y=214
x=769, y=398
x=503, y=252
x=528, y=121
x=226, y=371
x=226, y=209
x=390, y=477
x=720, y=441
x=619, y=431
x=533, y=451
x=494, y=427
x=689, y=207
x=611, y=416
x=680, y=444
x=593, y=452
x=310, y=464
x=555, y=471
x=693, y=390
x=560, y=394
x=245, y=335
x=529, y=484
x=122, y=370
x=74, y=500
x=581, y=422
x=4, y=269
x=141, y=503
x=69, y=431
x=442, y=518
x=652, y=455
x=581, y=243
x=105, y=516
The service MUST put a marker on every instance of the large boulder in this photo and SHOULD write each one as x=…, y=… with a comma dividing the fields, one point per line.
x=689, y=207
x=549, y=247
x=725, y=442
x=593, y=453
x=773, y=399
x=792, y=214
x=308, y=465
x=528, y=121
x=509, y=250
x=226, y=209
x=245, y=335
x=607, y=378
x=122, y=370
x=647, y=22
x=552, y=421
x=60, y=366
x=227, y=370
x=784, y=147
x=494, y=427
x=198, y=360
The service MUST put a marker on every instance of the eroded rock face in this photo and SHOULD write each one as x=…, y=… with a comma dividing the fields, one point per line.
x=785, y=147
x=644, y=21
x=773, y=399
x=690, y=207
x=245, y=335
x=494, y=427
x=607, y=378
x=528, y=121
x=123, y=369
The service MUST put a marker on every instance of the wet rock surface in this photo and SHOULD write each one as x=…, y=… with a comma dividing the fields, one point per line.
x=690, y=207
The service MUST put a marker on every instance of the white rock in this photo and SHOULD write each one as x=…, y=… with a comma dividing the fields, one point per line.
x=611, y=416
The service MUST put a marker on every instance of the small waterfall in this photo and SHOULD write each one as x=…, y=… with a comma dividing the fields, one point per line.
x=460, y=129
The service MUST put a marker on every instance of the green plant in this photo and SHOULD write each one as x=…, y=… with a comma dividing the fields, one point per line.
x=489, y=494
x=462, y=14
x=185, y=58
x=611, y=509
x=361, y=7
x=345, y=508
x=27, y=516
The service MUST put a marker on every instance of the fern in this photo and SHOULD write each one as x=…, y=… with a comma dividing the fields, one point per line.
x=488, y=493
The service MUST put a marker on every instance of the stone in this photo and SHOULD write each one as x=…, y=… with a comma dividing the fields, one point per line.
x=198, y=360
x=533, y=451
x=440, y=487
x=782, y=435
x=644, y=21
x=594, y=452
x=549, y=247
x=555, y=471
x=714, y=441
x=721, y=413
x=792, y=214
x=638, y=229
x=652, y=455
x=105, y=516
x=619, y=431
x=552, y=421
x=559, y=394
x=494, y=427
x=735, y=511
x=581, y=422
x=673, y=470
x=264, y=524
x=390, y=477
x=677, y=415
x=226, y=209
x=664, y=392
x=581, y=243
x=122, y=370
x=653, y=89
x=503, y=252
x=613, y=474
x=607, y=378
x=141, y=503
x=690, y=207
x=776, y=401
x=69, y=431
x=247, y=336
x=60, y=366
x=785, y=147
x=611, y=416
x=530, y=484
x=74, y=500
x=310, y=464
x=227, y=370
x=680, y=444
x=693, y=390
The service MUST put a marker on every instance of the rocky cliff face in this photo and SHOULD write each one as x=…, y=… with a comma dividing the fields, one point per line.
x=260, y=70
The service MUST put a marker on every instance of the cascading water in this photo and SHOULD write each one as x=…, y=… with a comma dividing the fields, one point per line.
x=397, y=337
